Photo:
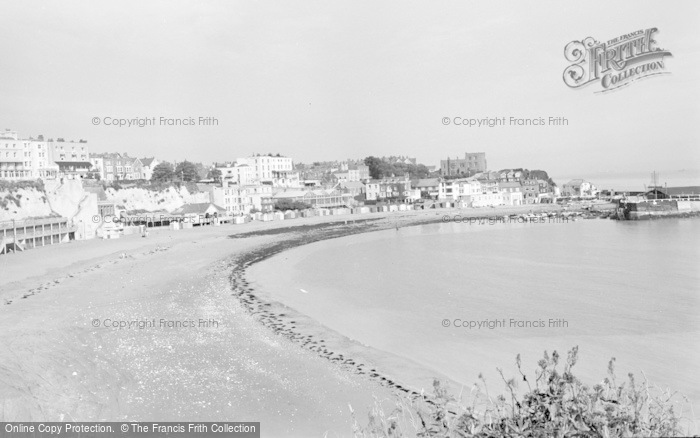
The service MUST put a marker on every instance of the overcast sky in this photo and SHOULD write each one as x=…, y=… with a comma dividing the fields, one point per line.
x=328, y=80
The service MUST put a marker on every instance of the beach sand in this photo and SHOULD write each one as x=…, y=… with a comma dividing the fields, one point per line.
x=238, y=359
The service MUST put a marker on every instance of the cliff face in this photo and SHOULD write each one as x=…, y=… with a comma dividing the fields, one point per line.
x=68, y=198
x=164, y=200
x=23, y=201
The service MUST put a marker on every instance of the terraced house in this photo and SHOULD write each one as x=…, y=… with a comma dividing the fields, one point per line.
x=117, y=167
x=390, y=189
x=36, y=158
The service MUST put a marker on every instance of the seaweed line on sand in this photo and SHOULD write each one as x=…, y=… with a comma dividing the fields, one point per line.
x=298, y=236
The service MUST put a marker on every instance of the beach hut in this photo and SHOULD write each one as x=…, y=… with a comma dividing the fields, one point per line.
x=402, y=207
x=393, y=207
x=278, y=216
x=289, y=214
x=237, y=220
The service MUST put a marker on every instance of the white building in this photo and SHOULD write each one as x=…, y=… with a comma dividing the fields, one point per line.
x=237, y=173
x=72, y=158
x=458, y=189
x=488, y=199
x=273, y=169
x=579, y=187
x=147, y=166
x=239, y=199
x=25, y=158
x=98, y=166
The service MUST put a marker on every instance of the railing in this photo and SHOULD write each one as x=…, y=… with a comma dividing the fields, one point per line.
x=21, y=223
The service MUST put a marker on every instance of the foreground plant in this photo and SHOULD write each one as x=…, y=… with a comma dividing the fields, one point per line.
x=559, y=405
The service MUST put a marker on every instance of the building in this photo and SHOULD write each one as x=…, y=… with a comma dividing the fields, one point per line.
x=678, y=193
x=239, y=199
x=510, y=175
x=73, y=159
x=354, y=188
x=489, y=199
x=358, y=172
x=97, y=167
x=147, y=166
x=429, y=187
x=459, y=189
x=232, y=198
x=512, y=198
x=389, y=189
x=199, y=213
x=531, y=191
x=117, y=166
x=318, y=198
x=25, y=158
x=399, y=160
x=472, y=163
x=579, y=188
x=272, y=169
x=237, y=173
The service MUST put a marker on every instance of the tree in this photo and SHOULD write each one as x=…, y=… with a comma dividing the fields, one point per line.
x=163, y=172
x=374, y=165
x=214, y=174
x=202, y=171
x=379, y=168
x=186, y=171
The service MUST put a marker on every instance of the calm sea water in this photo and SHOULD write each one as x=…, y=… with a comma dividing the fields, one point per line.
x=629, y=290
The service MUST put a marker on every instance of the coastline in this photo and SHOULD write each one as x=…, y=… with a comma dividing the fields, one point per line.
x=312, y=335
x=346, y=333
x=76, y=372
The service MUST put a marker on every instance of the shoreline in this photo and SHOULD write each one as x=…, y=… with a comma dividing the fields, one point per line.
x=257, y=298
x=311, y=335
x=177, y=275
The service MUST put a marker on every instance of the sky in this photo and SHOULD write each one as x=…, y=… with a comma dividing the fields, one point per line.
x=330, y=80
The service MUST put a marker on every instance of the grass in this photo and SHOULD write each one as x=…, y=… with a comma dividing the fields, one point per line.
x=555, y=404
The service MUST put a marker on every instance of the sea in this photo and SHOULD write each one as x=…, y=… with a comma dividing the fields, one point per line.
x=458, y=301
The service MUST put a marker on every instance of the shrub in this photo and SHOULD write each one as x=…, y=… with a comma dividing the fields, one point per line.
x=559, y=405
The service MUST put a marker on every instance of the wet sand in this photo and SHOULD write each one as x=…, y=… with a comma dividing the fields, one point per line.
x=240, y=361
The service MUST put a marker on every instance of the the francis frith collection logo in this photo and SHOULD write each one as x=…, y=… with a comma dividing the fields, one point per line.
x=615, y=63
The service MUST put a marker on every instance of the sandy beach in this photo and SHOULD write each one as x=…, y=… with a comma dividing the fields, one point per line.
x=202, y=346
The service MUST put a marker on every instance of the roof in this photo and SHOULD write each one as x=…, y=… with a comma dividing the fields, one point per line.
x=282, y=194
x=427, y=182
x=197, y=208
x=351, y=185
x=99, y=191
x=676, y=191
x=147, y=161
x=509, y=184
x=575, y=182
